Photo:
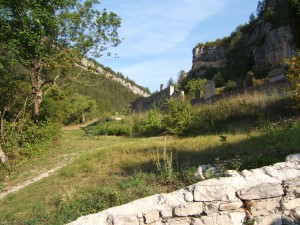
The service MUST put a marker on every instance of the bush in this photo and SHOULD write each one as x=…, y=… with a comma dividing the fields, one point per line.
x=25, y=139
x=294, y=77
x=116, y=128
x=178, y=117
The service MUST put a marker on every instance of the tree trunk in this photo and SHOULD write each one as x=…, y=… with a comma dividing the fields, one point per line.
x=36, y=86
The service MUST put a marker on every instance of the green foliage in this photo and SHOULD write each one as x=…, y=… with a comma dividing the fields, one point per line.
x=193, y=85
x=230, y=86
x=152, y=123
x=25, y=139
x=178, y=117
x=116, y=128
x=294, y=77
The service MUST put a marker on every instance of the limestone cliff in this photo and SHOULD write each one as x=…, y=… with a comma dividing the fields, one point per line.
x=260, y=45
x=267, y=46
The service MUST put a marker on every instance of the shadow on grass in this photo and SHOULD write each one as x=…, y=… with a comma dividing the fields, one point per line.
x=272, y=146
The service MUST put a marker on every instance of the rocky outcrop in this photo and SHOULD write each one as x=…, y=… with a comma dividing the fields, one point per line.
x=208, y=56
x=268, y=46
x=269, y=195
x=277, y=46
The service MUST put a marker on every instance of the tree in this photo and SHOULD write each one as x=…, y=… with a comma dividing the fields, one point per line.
x=294, y=77
x=181, y=76
x=170, y=82
x=48, y=37
x=261, y=8
x=251, y=18
x=193, y=85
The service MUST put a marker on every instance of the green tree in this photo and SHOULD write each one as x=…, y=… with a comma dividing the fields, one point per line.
x=294, y=77
x=193, y=85
x=48, y=37
x=181, y=77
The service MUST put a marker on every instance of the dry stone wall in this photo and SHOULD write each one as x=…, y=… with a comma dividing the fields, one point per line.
x=267, y=196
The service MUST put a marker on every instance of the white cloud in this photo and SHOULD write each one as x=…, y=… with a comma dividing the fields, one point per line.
x=154, y=27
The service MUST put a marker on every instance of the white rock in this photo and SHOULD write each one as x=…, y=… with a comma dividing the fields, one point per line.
x=191, y=209
x=178, y=221
x=151, y=217
x=230, y=206
x=234, y=218
x=126, y=221
x=270, y=220
x=261, y=191
x=291, y=204
x=222, y=189
x=293, y=158
x=188, y=196
x=296, y=213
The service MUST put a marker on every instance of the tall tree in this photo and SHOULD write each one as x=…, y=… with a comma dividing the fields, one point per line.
x=49, y=36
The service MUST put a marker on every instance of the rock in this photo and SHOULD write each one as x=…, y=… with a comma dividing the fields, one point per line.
x=270, y=220
x=190, y=209
x=178, y=221
x=293, y=188
x=201, y=170
x=222, y=189
x=126, y=220
x=265, y=207
x=291, y=204
x=293, y=158
x=188, y=196
x=260, y=191
x=151, y=217
x=230, y=206
x=211, y=207
x=166, y=213
x=235, y=218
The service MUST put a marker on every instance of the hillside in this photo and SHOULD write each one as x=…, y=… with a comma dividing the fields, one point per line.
x=111, y=91
x=258, y=46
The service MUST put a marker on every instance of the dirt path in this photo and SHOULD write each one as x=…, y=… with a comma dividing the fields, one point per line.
x=20, y=186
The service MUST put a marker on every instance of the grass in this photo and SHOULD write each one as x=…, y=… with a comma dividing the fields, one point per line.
x=109, y=171
x=115, y=170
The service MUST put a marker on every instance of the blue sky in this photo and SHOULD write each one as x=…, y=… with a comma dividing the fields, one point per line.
x=159, y=35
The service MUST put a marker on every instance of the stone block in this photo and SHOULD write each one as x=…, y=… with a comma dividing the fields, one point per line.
x=151, y=217
x=178, y=221
x=293, y=188
x=270, y=220
x=260, y=192
x=124, y=220
x=214, y=193
x=191, y=209
x=291, y=204
x=166, y=213
x=265, y=207
x=233, y=218
x=230, y=206
x=211, y=207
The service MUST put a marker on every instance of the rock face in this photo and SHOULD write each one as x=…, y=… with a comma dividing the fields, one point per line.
x=277, y=46
x=267, y=46
x=269, y=195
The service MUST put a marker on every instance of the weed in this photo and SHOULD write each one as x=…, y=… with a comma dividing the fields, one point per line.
x=164, y=164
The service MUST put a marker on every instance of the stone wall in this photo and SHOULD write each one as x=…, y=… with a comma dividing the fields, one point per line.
x=156, y=99
x=266, y=196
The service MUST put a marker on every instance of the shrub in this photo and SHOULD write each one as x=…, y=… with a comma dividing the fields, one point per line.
x=178, y=117
x=294, y=77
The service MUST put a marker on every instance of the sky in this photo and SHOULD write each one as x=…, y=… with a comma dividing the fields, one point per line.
x=159, y=35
